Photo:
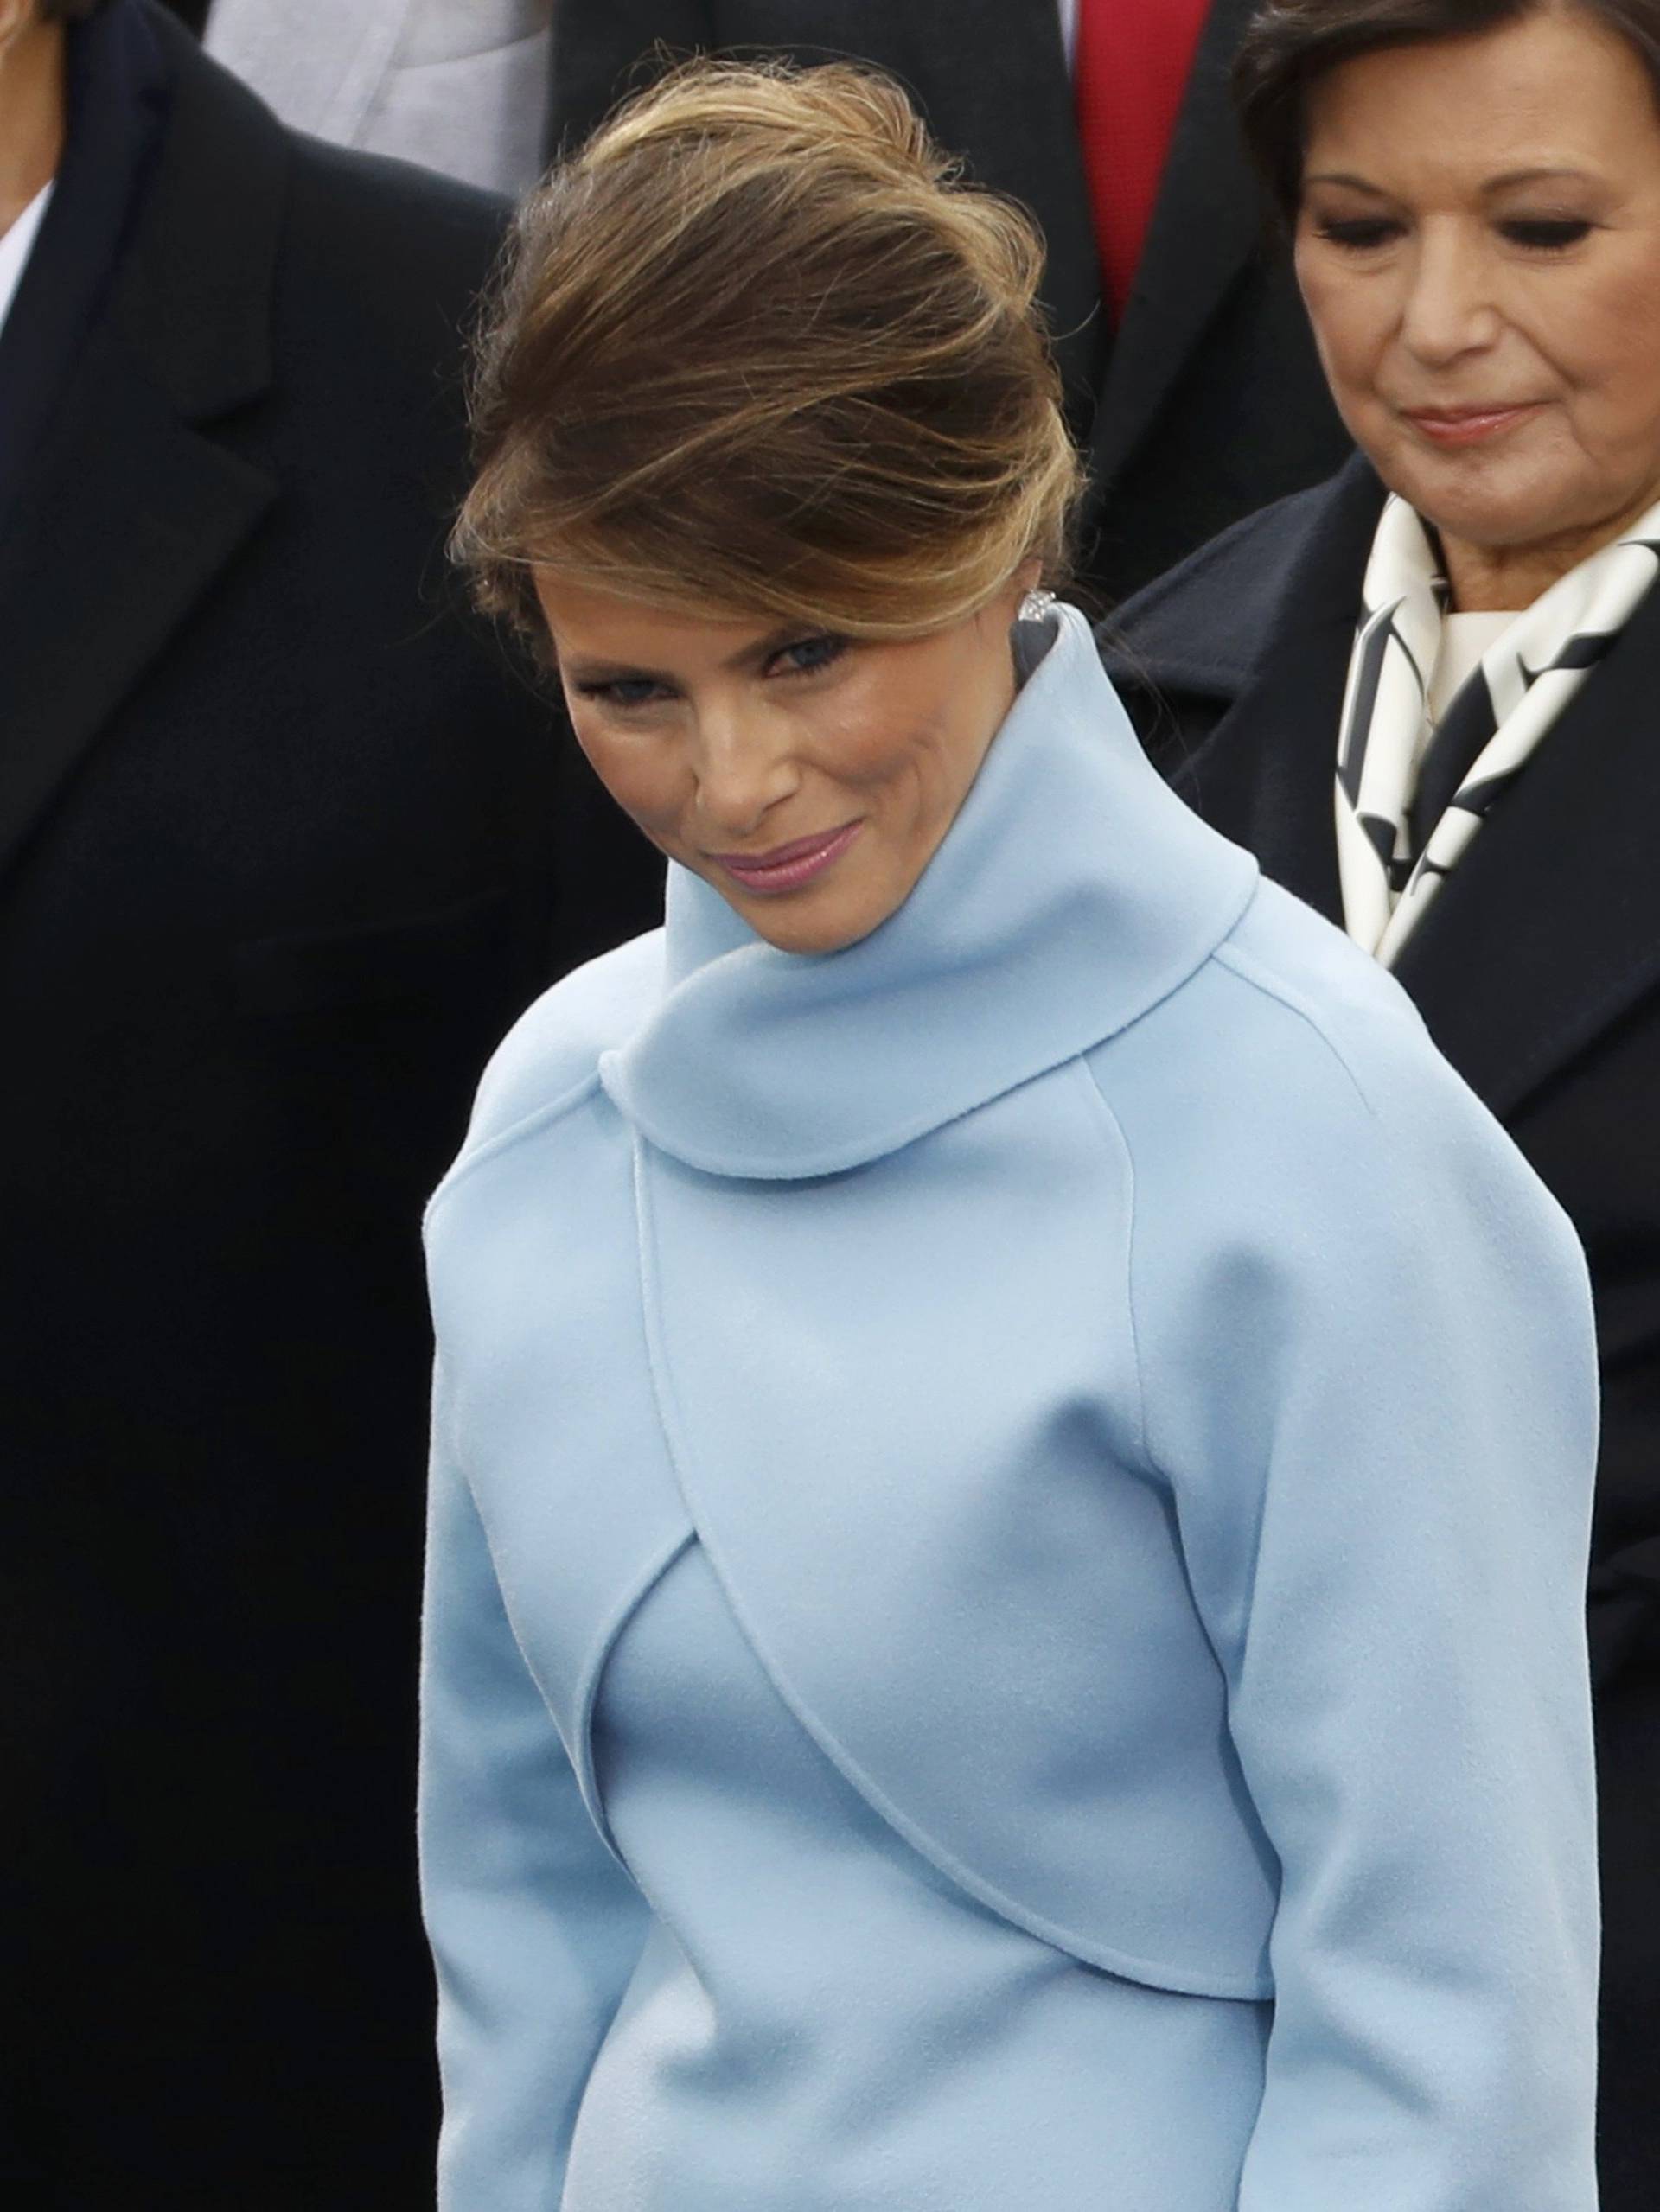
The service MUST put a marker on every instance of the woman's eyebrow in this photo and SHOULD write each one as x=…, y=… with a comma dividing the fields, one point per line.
x=583, y=670
x=580, y=671
x=1554, y=173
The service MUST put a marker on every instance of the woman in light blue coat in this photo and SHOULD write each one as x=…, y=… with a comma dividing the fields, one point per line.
x=1012, y=1450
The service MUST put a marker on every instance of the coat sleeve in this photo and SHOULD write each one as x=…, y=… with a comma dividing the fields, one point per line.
x=535, y=1929
x=1369, y=1381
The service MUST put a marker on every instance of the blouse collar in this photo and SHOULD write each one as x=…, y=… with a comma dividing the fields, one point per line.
x=1072, y=893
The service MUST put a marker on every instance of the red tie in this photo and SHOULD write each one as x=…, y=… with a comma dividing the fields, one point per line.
x=1133, y=63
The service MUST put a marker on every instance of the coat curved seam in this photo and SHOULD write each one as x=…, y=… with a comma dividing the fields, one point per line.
x=587, y=1689
x=1143, y=1448
x=502, y=1140
x=1180, y=1981
x=1281, y=993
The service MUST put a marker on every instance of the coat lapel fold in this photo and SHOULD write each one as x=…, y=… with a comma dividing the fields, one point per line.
x=131, y=526
x=1035, y=97
x=1264, y=777
x=1017, y=117
x=135, y=508
x=1209, y=219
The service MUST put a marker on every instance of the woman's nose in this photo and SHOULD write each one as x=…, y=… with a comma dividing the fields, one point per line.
x=1449, y=307
x=743, y=769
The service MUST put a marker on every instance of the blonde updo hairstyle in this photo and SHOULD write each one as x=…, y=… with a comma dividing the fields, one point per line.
x=758, y=351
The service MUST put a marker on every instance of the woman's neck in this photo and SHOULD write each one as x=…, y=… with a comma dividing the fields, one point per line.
x=1505, y=579
x=31, y=116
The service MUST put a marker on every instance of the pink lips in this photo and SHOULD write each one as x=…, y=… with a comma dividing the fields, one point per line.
x=786, y=867
x=1468, y=425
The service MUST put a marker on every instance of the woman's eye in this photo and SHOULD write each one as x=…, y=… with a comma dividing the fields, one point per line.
x=624, y=692
x=807, y=656
x=1545, y=234
x=1361, y=233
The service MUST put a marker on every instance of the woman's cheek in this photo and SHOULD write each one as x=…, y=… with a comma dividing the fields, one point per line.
x=858, y=744
x=619, y=768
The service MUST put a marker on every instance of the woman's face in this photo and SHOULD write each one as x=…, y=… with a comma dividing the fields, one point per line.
x=810, y=778
x=1478, y=246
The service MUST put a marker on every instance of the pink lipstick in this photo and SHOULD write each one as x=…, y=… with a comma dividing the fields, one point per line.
x=786, y=867
x=1468, y=425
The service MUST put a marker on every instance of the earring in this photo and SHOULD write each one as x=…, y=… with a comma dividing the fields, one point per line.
x=1037, y=606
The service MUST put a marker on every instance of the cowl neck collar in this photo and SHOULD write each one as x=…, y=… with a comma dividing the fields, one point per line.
x=1072, y=893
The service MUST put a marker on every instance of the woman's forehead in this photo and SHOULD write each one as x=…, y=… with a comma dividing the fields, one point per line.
x=1556, y=91
x=588, y=622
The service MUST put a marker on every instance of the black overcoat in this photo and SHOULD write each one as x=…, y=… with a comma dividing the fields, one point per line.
x=1208, y=400
x=284, y=848
x=1537, y=970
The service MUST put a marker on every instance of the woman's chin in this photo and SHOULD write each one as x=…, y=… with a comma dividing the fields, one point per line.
x=790, y=934
x=1497, y=501
x=809, y=921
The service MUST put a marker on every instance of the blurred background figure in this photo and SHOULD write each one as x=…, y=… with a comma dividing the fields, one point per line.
x=1192, y=381
x=284, y=845
x=460, y=85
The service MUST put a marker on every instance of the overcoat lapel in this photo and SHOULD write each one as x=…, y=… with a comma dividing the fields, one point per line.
x=1264, y=777
x=130, y=528
x=1209, y=217
x=1035, y=105
x=134, y=510
x=1016, y=114
x=1549, y=930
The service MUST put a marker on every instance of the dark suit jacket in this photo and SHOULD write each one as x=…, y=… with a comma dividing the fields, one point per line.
x=1209, y=400
x=284, y=845
x=1538, y=971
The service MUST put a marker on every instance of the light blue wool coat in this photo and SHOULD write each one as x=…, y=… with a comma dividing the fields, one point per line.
x=1008, y=1526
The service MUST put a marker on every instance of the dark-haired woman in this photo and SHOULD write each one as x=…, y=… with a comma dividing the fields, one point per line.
x=1012, y=1450
x=1424, y=695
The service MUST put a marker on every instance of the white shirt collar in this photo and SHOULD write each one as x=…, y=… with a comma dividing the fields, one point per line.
x=17, y=246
